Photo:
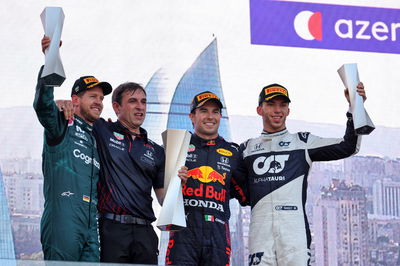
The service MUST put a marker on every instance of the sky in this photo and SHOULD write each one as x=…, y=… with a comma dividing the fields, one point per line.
x=128, y=40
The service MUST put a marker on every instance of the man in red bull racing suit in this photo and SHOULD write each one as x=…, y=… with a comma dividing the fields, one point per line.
x=211, y=161
x=278, y=164
x=70, y=169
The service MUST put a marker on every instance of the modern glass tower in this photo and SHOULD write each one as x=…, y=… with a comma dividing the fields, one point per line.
x=6, y=238
x=168, y=100
x=168, y=106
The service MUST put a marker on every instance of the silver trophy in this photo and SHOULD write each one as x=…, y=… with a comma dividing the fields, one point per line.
x=172, y=215
x=53, y=71
x=362, y=122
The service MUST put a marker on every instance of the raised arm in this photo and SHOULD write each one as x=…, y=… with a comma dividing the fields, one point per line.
x=46, y=110
x=327, y=149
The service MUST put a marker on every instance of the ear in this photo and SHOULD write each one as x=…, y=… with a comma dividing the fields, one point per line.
x=259, y=110
x=191, y=116
x=75, y=100
x=116, y=107
x=288, y=111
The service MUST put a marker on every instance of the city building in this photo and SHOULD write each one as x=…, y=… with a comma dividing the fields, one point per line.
x=6, y=238
x=169, y=98
x=392, y=169
x=25, y=193
x=21, y=165
x=23, y=185
x=245, y=216
x=340, y=225
x=364, y=170
x=384, y=234
x=383, y=226
x=386, y=197
x=239, y=251
x=168, y=106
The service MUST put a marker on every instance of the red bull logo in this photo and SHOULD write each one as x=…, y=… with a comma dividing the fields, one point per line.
x=207, y=174
x=206, y=191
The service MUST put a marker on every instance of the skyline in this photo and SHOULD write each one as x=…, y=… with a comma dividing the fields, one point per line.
x=18, y=144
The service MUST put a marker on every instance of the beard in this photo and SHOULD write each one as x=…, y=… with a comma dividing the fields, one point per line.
x=89, y=116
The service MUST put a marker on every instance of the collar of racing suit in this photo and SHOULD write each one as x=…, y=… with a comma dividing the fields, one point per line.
x=86, y=126
x=275, y=134
x=205, y=142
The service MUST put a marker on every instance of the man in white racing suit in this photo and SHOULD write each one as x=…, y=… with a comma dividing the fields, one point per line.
x=277, y=164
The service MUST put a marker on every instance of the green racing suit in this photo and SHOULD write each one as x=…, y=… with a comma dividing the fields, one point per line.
x=70, y=169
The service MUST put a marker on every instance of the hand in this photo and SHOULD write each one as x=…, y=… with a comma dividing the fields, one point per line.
x=360, y=90
x=66, y=107
x=46, y=43
x=183, y=174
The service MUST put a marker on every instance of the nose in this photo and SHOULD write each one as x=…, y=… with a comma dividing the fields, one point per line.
x=210, y=115
x=277, y=109
x=141, y=106
x=99, y=100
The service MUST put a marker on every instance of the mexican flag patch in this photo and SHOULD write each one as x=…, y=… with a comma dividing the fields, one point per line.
x=209, y=218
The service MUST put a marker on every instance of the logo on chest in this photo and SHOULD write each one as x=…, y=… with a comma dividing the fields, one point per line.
x=272, y=164
x=207, y=174
x=148, y=157
x=118, y=136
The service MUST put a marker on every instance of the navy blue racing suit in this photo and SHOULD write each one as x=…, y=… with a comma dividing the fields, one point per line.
x=206, y=194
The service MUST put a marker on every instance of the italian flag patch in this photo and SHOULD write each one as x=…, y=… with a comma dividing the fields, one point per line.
x=209, y=218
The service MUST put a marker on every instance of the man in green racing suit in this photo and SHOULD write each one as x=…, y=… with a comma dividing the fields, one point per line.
x=70, y=169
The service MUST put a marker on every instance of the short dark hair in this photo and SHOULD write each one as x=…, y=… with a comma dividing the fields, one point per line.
x=127, y=86
x=81, y=93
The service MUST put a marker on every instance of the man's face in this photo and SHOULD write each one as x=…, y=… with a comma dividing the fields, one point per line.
x=274, y=113
x=206, y=120
x=89, y=104
x=132, y=111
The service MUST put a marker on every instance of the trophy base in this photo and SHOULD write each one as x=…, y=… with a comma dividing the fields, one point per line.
x=53, y=80
x=364, y=130
x=170, y=227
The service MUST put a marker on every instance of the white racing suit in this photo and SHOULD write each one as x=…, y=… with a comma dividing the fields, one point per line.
x=278, y=165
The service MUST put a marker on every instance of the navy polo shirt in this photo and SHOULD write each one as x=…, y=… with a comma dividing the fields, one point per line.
x=131, y=165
